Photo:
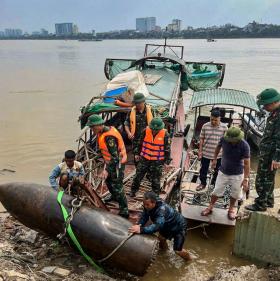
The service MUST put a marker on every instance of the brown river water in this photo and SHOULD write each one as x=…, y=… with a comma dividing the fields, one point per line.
x=44, y=83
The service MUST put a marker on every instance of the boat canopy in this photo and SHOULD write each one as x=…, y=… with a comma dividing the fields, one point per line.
x=196, y=75
x=113, y=67
x=224, y=96
x=205, y=75
x=172, y=59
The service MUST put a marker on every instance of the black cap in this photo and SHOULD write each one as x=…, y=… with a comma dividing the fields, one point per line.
x=215, y=112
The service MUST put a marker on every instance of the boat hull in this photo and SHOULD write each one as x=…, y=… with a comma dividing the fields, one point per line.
x=99, y=232
x=253, y=133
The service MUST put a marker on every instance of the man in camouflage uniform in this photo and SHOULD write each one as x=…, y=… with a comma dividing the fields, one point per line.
x=114, y=172
x=143, y=116
x=269, y=159
x=151, y=166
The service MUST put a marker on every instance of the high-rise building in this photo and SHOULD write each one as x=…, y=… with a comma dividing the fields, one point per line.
x=141, y=24
x=64, y=29
x=146, y=24
x=2, y=34
x=175, y=25
x=9, y=32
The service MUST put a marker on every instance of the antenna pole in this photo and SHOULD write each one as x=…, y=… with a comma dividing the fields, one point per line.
x=165, y=40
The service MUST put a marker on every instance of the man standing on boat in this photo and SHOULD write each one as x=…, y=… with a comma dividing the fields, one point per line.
x=68, y=171
x=137, y=120
x=168, y=222
x=269, y=159
x=111, y=145
x=234, y=170
x=153, y=151
x=210, y=135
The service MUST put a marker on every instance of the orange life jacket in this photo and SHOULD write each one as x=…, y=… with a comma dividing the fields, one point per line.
x=153, y=147
x=149, y=117
x=103, y=146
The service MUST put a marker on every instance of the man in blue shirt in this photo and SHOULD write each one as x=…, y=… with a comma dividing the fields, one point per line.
x=234, y=170
x=64, y=173
x=169, y=223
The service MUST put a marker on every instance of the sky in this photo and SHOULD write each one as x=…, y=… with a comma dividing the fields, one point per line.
x=106, y=15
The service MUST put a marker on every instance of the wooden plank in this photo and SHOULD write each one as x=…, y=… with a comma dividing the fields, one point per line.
x=176, y=151
x=180, y=116
x=190, y=186
x=218, y=216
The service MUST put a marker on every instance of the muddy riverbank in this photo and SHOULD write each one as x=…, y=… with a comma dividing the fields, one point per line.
x=28, y=255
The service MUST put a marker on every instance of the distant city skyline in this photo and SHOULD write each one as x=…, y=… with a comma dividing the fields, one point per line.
x=31, y=15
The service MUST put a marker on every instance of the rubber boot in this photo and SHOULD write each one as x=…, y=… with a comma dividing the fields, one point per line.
x=255, y=208
x=108, y=199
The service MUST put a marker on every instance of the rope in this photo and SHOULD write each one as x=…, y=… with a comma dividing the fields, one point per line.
x=116, y=249
x=198, y=226
x=68, y=218
x=202, y=226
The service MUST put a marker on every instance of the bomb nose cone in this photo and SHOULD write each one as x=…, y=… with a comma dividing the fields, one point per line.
x=4, y=190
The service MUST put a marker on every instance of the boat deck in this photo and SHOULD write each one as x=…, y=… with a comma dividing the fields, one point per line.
x=163, y=87
x=191, y=209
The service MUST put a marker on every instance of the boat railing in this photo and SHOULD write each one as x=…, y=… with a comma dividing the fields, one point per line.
x=164, y=47
x=175, y=97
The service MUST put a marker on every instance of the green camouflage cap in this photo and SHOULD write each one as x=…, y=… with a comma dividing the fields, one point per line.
x=234, y=134
x=268, y=96
x=95, y=120
x=138, y=98
x=156, y=124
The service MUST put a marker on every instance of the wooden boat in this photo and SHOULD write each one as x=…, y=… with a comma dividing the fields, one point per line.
x=211, y=40
x=166, y=75
x=230, y=102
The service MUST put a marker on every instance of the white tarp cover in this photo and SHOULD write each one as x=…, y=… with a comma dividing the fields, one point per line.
x=135, y=82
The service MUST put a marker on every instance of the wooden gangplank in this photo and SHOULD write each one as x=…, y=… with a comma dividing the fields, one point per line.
x=193, y=211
